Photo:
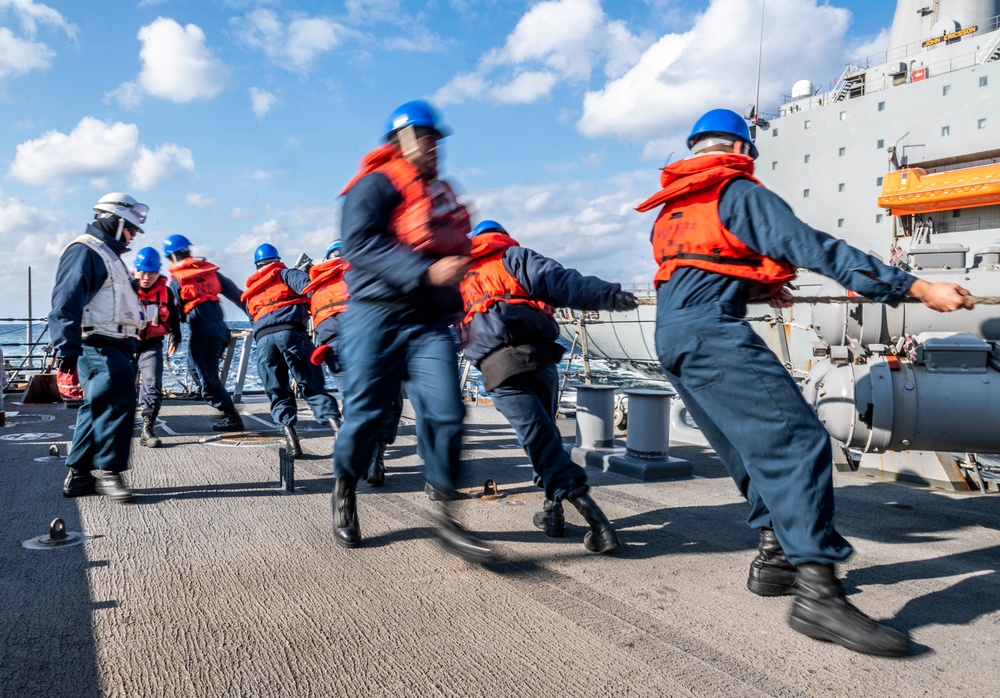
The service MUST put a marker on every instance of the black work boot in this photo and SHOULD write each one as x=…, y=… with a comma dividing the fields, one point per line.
x=110, y=484
x=231, y=421
x=601, y=538
x=821, y=611
x=292, y=441
x=346, y=530
x=335, y=423
x=551, y=519
x=771, y=574
x=456, y=539
x=376, y=472
x=79, y=482
x=148, y=438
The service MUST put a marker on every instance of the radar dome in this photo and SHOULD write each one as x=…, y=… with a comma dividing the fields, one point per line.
x=802, y=89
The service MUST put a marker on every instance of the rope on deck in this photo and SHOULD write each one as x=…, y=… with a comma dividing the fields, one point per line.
x=845, y=300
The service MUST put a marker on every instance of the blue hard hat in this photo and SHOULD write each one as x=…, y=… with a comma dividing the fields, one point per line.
x=147, y=259
x=174, y=244
x=723, y=122
x=265, y=251
x=417, y=113
x=334, y=247
x=488, y=226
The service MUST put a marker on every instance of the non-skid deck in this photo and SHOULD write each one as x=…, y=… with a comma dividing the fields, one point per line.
x=214, y=583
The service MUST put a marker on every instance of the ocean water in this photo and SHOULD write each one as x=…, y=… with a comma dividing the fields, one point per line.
x=177, y=378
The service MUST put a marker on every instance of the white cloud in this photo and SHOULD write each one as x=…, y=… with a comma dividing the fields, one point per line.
x=96, y=149
x=198, y=200
x=31, y=14
x=262, y=174
x=153, y=166
x=18, y=56
x=176, y=65
x=262, y=101
x=295, y=45
x=713, y=65
x=554, y=40
x=589, y=226
x=31, y=237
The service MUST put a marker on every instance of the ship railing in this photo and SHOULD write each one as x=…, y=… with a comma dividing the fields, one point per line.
x=991, y=51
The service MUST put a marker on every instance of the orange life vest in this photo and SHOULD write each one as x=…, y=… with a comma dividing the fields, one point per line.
x=153, y=301
x=328, y=288
x=266, y=292
x=430, y=219
x=198, y=280
x=688, y=231
x=488, y=282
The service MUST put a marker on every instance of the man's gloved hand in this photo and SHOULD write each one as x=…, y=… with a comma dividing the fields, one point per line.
x=625, y=301
x=67, y=364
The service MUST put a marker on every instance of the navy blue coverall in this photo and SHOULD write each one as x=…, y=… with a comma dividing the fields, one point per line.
x=396, y=328
x=150, y=362
x=208, y=341
x=736, y=389
x=514, y=347
x=103, y=434
x=283, y=349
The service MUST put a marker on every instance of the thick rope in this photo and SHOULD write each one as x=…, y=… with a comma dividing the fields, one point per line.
x=850, y=300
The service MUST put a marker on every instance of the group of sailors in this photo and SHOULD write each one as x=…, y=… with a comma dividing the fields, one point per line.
x=419, y=275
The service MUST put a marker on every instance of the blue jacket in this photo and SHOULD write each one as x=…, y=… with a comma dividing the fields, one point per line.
x=762, y=220
x=297, y=315
x=328, y=330
x=207, y=318
x=509, y=324
x=79, y=277
x=384, y=270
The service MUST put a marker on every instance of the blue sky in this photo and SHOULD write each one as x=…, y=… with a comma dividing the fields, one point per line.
x=239, y=121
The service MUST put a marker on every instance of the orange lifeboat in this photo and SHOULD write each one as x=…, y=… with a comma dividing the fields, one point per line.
x=914, y=191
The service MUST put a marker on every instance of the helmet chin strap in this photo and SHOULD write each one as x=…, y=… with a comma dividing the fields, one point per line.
x=121, y=227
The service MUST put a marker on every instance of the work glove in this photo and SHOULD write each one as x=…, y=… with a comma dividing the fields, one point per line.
x=67, y=364
x=625, y=301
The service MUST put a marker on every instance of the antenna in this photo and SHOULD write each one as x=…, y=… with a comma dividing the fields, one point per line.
x=760, y=54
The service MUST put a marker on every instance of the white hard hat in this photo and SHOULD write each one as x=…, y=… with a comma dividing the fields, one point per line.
x=123, y=206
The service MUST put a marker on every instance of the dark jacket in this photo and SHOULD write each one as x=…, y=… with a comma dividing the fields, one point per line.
x=79, y=276
x=384, y=270
x=290, y=316
x=509, y=338
x=207, y=318
x=762, y=220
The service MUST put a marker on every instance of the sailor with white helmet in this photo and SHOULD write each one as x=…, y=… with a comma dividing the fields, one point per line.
x=95, y=322
x=721, y=239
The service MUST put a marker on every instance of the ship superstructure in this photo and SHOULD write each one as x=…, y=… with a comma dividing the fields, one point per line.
x=930, y=103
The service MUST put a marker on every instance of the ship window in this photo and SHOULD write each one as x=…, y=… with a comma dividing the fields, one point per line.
x=840, y=187
x=881, y=106
x=841, y=151
x=808, y=123
x=981, y=123
x=805, y=158
x=878, y=217
x=880, y=143
x=774, y=165
x=843, y=116
x=840, y=222
x=878, y=181
x=983, y=80
x=774, y=133
x=946, y=130
x=945, y=90
x=957, y=213
x=805, y=193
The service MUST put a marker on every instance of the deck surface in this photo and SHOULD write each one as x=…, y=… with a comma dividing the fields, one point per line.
x=213, y=583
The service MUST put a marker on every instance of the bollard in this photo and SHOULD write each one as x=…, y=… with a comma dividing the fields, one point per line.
x=286, y=471
x=648, y=423
x=595, y=416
